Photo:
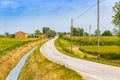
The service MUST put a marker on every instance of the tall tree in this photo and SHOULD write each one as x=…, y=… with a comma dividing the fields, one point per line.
x=51, y=33
x=45, y=29
x=74, y=31
x=115, y=31
x=116, y=17
x=37, y=32
x=107, y=33
x=80, y=31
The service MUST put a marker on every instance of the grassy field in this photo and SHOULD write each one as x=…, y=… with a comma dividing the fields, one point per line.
x=7, y=44
x=8, y=61
x=104, y=41
x=107, y=52
x=63, y=45
x=37, y=67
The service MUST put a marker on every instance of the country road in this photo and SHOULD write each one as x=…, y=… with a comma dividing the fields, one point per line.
x=90, y=70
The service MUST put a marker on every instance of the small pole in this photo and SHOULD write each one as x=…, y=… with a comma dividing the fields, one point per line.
x=5, y=30
x=71, y=33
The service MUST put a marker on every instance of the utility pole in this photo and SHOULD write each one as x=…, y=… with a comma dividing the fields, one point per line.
x=90, y=30
x=98, y=30
x=5, y=30
x=71, y=33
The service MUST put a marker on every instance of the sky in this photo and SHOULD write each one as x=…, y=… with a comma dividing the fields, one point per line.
x=29, y=15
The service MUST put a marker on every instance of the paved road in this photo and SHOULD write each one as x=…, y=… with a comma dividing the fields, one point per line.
x=13, y=75
x=90, y=70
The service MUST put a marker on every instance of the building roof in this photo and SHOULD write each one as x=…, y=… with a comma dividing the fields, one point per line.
x=21, y=32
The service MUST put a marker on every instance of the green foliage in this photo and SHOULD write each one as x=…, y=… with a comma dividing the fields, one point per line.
x=106, y=52
x=45, y=29
x=61, y=44
x=96, y=32
x=115, y=31
x=85, y=56
x=116, y=17
x=12, y=35
x=61, y=34
x=77, y=31
x=104, y=41
x=107, y=33
x=86, y=34
x=37, y=32
x=51, y=33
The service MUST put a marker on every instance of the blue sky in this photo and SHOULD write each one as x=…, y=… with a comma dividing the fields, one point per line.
x=29, y=15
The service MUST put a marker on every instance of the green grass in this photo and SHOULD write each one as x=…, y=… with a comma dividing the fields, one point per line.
x=104, y=41
x=37, y=67
x=82, y=55
x=7, y=44
x=107, y=52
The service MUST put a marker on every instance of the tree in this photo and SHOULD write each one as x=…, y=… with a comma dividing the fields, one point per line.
x=107, y=33
x=86, y=34
x=12, y=35
x=74, y=31
x=77, y=31
x=115, y=31
x=61, y=34
x=51, y=33
x=80, y=31
x=116, y=17
x=37, y=32
x=96, y=32
x=45, y=29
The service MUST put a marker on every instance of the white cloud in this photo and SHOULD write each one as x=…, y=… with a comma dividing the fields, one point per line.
x=9, y=4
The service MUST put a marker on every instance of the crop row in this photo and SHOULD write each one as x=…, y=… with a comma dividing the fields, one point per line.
x=104, y=41
x=7, y=44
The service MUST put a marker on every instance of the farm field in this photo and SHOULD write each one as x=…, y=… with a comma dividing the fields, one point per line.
x=7, y=44
x=37, y=67
x=104, y=41
x=109, y=54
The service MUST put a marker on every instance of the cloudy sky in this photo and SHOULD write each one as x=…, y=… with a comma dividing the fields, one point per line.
x=29, y=15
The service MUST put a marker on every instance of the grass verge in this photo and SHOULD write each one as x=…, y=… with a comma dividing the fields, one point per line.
x=9, y=61
x=37, y=67
x=62, y=43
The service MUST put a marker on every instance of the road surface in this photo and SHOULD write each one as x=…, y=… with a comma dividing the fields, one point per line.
x=90, y=70
x=13, y=75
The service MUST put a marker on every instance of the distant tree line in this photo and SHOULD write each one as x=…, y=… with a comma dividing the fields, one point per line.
x=45, y=30
x=81, y=32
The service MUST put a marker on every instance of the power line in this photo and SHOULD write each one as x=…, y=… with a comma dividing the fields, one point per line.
x=88, y=9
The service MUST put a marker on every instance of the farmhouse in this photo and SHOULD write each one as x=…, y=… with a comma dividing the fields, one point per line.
x=41, y=36
x=21, y=35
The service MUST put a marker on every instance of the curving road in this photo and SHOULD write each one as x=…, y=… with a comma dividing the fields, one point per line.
x=90, y=70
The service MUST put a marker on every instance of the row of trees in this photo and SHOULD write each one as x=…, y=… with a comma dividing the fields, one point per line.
x=81, y=32
x=46, y=30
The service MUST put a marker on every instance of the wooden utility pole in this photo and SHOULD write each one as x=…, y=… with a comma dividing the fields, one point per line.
x=71, y=33
x=90, y=30
x=98, y=30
